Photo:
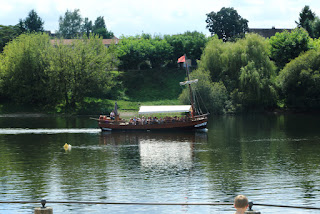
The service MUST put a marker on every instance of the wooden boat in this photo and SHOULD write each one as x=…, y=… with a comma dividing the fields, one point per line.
x=166, y=123
x=193, y=118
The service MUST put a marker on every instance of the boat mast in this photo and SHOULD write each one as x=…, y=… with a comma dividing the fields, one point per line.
x=191, y=97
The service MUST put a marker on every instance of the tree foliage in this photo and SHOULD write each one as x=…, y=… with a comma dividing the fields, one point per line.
x=299, y=81
x=134, y=51
x=306, y=18
x=286, y=46
x=22, y=67
x=213, y=95
x=245, y=70
x=34, y=71
x=33, y=23
x=100, y=28
x=87, y=27
x=7, y=33
x=189, y=43
x=227, y=24
x=70, y=25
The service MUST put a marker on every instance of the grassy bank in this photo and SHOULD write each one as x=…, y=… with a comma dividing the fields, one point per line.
x=144, y=87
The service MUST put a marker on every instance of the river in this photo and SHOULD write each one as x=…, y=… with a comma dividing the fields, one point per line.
x=272, y=159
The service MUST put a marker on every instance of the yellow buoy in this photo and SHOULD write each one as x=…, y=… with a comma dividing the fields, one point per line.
x=67, y=147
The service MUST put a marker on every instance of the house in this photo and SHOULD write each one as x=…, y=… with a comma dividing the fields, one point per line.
x=267, y=33
x=106, y=42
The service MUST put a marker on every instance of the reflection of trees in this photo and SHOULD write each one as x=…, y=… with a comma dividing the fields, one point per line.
x=244, y=149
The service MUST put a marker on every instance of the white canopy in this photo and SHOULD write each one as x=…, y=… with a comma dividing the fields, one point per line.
x=164, y=109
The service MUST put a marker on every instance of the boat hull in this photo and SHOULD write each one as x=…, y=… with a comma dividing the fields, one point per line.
x=189, y=125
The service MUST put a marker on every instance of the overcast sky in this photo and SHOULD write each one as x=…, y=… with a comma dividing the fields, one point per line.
x=132, y=17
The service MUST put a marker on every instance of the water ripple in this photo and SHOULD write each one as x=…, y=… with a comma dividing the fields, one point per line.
x=47, y=131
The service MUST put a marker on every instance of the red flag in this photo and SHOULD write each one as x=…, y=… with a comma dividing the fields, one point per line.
x=182, y=59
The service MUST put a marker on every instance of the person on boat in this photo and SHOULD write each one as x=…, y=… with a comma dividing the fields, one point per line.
x=143, y=120
x=112, y=115
x=241, y=204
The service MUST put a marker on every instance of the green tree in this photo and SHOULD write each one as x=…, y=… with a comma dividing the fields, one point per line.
x=306, y=18
x=316, y=27
x=159, y=53
x=80, y=70
x=23, y=63
x=245, y=69
x=189, y=43
x=87, y=27
x=227, y=24
x=100, y=28
x=8, y=33
x=299, y=81
x=286, y=46
x=211, y=96
x=34, y=71
x=70, y=25
x=135, y=51
x=33, y=23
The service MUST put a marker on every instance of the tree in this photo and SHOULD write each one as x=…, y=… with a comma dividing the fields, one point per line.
x=299, y=81
x=35, y=72
x=316, y=27
x=70, y=25
x=213, y=94
x=87, y=27
x=189, y=43
x=100, y=28
x=80, y=70
x=22, y=67
x=227, y=24
x=159, y=53
x=7, y=33
x=306, y=19
x=286, y=46
x=33, y=23
x=245, y=70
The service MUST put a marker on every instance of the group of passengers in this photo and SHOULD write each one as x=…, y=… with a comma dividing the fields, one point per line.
x=154, y=120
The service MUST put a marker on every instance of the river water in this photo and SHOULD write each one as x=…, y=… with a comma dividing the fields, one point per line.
x=272, y=159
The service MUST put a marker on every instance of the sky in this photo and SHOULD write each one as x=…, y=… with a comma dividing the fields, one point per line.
x=157, y=17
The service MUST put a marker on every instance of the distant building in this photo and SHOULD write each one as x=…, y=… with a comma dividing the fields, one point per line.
x=267, y=33
x=106, y=42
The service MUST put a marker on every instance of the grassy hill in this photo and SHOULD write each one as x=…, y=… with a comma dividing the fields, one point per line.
x=152, y=85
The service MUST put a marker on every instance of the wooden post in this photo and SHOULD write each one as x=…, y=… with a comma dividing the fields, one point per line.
x=41, y=210
x=251, y=211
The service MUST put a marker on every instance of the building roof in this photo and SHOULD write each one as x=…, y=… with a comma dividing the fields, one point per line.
x=105, y=42
x=268, y=32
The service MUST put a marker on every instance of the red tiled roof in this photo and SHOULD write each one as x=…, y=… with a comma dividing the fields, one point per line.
x=105, y=42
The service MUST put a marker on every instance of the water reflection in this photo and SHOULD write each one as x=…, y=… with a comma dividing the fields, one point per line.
x=158, y=150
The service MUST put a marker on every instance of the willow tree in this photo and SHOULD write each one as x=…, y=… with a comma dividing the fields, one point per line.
x=245, y=69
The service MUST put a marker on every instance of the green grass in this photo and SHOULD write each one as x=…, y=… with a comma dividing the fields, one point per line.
x=153, y=84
